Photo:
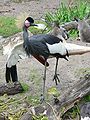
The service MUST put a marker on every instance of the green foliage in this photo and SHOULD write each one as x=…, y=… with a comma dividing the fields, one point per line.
x=72, y=113
x=53, y=91
x=67, y=13
x=86, y=98
x=7, y=26
x=25, y=87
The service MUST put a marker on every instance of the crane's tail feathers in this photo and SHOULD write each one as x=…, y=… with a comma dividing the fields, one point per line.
x=41, y=60
x=74, y=49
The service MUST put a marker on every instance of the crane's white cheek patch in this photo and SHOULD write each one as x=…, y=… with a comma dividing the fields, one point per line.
x=57, y=48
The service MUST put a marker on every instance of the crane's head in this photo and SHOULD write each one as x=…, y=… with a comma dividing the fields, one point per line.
x=29, y=22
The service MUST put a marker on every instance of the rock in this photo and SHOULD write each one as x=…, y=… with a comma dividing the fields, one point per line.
x=11, y=88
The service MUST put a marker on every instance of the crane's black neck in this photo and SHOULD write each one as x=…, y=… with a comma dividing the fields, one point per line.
x=26, y=40
x=25, y=33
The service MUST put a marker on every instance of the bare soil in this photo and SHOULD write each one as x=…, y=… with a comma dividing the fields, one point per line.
x=69, y=70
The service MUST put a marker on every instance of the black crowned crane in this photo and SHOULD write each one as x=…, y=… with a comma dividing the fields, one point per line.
x=15, y=52
x=46, y=46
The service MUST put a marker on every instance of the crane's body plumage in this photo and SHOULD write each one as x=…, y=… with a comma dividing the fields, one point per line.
x=45, y=45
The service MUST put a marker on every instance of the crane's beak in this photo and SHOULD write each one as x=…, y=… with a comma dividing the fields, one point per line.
x=32, y=24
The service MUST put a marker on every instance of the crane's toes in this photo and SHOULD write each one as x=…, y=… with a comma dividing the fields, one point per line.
x=42, y=98
x=56, y=79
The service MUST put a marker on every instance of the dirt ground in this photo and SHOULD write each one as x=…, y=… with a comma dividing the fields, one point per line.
x=68, y=70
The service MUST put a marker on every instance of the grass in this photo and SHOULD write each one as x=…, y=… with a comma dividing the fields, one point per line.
x=7, y=26
x=25, y=87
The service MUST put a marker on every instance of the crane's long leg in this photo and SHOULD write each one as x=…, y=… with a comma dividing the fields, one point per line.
x=44, y=79
x=56, y=79
x=7, y=74
x=14, y=73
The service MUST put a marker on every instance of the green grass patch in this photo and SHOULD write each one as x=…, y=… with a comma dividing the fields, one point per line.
x=67, y=13
x=7, y=26
x=86, y=98
x=25, y=87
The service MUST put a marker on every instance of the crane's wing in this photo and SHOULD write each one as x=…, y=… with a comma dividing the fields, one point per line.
x=17, y=53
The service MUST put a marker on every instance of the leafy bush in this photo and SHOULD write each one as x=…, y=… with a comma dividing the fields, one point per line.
x=67, y=13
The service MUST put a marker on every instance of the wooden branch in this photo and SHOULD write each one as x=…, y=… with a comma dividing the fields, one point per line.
x=72, y=25
x=78, y=91
x=11, y=88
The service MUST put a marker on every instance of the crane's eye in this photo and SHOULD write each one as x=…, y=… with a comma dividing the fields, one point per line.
x=27, y=23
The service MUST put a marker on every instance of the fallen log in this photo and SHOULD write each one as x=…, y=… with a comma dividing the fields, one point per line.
x=10, y=88
x=74, y=94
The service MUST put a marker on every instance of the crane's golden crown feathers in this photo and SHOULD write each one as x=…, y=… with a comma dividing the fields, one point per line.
x=20, y=19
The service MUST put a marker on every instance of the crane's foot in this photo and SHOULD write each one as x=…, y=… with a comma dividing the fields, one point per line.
x=56, y=79
x=42, y=98
x=56, y=101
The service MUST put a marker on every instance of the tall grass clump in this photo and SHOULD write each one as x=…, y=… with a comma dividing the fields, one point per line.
x=66, y=13
x=8, y=26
